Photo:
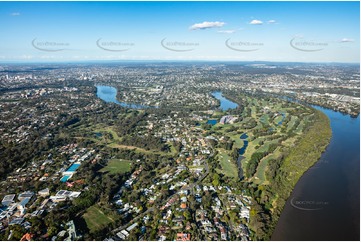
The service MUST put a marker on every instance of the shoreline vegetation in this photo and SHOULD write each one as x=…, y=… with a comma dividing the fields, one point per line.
x=283, y=170
x=284, y=174
x=284, y=140
x=189, y=166
x=286, y=162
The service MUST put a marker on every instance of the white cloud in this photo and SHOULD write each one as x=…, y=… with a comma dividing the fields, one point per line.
x=256, y=22
x=272, y=21
x=344, y=40
x=231, y=31
x=206, y=25
x=15, y=14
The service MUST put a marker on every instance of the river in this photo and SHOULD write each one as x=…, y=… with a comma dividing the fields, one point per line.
x=225, y=104
x=325, y=203
x=109, y=94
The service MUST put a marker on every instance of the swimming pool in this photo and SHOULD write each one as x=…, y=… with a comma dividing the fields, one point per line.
x=64, y=178
x=73, y=167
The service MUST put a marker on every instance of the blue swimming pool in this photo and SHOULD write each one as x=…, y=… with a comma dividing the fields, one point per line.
x=64, y=178
x=73, y=167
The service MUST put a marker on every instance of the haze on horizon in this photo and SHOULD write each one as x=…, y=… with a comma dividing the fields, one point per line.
x=209, y=31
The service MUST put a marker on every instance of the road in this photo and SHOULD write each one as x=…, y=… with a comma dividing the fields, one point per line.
x=189, y=187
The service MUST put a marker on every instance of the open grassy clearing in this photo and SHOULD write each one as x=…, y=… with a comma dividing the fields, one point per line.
x=300, y=127
x=114, y=141
x=291, y=123
x=265, y=119
x=129, y=147
x=254, y=112
x=266, y=144
x=116, y=166
x=262, y=167
x=277, y=119
x=229, y=168
x=237, y=140
x=96, y=219
x=258, y=140
x=110, y=130
x=217, y=114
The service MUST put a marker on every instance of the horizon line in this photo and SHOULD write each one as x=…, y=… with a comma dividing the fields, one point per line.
x=144, y=60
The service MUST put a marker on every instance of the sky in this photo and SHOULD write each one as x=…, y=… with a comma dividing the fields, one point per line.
x=210, y=31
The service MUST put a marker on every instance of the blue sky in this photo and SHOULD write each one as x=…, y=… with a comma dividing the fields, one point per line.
x=244, y=31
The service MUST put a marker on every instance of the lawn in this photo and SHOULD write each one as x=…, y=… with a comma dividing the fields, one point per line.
x=229, y=168
x=264, y=119
x=277, y=119
x=221, y=127
x=266, y=144
x=254, y=112
x=138, y=150
x=103, y=130
x=237, y=140
x=217, y=114
x=96, y=219
x=251, y=148
x=110, y=130
x=291, y=124
x=115, y=166
x=262, y=166
x=300, y=127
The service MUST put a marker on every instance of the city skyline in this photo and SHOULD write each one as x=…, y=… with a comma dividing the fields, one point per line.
x=180, y=31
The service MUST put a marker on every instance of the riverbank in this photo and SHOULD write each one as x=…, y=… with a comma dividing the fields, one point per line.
x=354, y=112
x=284, y=173
x=272, y=173
x=300, y=135
x=109, y=94
x=325, y=203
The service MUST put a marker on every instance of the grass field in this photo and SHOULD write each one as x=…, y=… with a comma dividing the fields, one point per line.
x=266, y=144
x=217, y=114
x=116, y=166
x=264, y=119
x=96, y=219
x=115, y=140
x=110, y=130
x=277, y=119
x=237, y=140
x=253, y=112
x=300, y=126
x=229, y=168
x=262, y=166
x=291, y=123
